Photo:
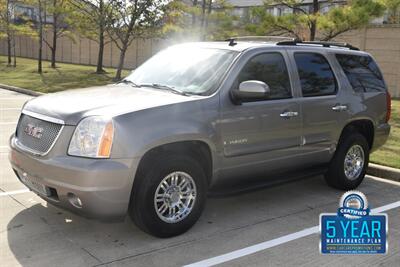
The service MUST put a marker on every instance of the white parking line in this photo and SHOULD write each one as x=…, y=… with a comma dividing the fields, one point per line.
x=2, y=194
x=273, y=243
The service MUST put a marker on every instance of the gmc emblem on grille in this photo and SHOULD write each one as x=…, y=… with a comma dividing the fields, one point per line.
x=34, y=131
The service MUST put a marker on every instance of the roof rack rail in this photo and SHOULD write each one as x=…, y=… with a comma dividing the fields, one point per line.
x=321, y=43
x=232, y=40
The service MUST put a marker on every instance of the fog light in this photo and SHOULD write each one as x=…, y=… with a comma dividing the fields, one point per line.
x=74, y=200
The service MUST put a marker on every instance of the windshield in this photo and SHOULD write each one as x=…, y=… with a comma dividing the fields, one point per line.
x=192, y=70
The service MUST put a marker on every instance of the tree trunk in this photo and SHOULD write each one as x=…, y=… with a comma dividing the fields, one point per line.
x=209, y=9
x=8, y=48
x=55, y=26
x=194, y=15
x=8, y=33
x=313, y=30
x=40, y=69
x=313, y=26
x=118, y=75
x=54, y=50
x=15, y=53
x=203, y=19
x=99, y=69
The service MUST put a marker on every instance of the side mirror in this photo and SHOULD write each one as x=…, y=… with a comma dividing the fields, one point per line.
x=251, y=91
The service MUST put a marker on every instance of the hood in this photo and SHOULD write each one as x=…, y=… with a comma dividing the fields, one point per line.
x=73, y=105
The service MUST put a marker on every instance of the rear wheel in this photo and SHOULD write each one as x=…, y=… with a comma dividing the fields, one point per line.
x=349, y=164
x=169, y=195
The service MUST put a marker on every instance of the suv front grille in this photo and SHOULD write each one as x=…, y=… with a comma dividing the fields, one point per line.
x=36, y=135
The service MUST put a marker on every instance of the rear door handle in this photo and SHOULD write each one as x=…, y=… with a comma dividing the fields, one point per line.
x=339, y=108
x=289, y=114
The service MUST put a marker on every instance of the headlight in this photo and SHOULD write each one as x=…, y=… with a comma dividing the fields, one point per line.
x=93, y=138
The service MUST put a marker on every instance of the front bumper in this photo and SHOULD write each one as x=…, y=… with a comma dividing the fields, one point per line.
x=103, y=185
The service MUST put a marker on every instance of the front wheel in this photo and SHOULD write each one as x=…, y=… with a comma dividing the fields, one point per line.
x=169, y=195
x=349, y=164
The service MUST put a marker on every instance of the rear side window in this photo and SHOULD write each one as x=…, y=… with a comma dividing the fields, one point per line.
x=316, y=76
x=362, y=73
x=271, y=69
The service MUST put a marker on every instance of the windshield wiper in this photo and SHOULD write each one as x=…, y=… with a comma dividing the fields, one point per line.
x=165, y=87
x=125, y=81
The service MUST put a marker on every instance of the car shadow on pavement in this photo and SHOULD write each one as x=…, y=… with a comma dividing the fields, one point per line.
x=43, y=235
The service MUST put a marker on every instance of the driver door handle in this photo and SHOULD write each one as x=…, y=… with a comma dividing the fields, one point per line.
x=289, y=114
x=339, y=108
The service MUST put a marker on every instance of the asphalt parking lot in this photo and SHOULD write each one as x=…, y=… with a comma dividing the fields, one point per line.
x=273, y=226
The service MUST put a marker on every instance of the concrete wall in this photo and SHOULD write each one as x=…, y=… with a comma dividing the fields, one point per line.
x=383, y=42
x=85, y=51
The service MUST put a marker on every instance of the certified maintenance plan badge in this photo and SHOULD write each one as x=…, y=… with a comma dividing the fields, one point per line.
x=353, y=230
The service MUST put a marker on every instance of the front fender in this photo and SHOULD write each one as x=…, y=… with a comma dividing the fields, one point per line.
x=138, y=132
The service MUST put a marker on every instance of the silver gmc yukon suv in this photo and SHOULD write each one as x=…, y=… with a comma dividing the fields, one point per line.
x=200, y=116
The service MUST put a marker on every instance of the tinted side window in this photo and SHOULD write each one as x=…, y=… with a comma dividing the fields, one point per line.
x=271, y=69
x=315, y=74
x=362, y=72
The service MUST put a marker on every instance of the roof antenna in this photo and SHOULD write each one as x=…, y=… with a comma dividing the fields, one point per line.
x=232, y=41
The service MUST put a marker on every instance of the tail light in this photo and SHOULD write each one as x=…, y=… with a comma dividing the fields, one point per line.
x=388, y=106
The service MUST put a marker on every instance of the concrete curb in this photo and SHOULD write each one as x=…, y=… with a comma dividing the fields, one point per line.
x=20, y=90
x=384, y=172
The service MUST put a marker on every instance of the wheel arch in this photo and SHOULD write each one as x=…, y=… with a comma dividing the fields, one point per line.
x=198, y=149
x=362, y=126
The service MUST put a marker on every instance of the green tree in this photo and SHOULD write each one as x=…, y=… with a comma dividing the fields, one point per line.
x=393, y=8
x=220, y=22
x=61, y=12
x=38, y=26
x=9, y=28
x=5, y=26
x=342, y=19
x=201, y=20
x=92, y=18
x=133, y=19
x=305, y=22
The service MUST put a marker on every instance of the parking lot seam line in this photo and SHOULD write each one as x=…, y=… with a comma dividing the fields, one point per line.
x=274, y=242
x=91, y=255
x=14, y=98
x=5, y=109
x=10, y=193
x=147, y=252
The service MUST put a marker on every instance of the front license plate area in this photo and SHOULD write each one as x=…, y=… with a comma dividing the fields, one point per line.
x=35, y=186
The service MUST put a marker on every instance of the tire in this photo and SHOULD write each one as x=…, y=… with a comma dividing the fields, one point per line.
x=143, y=203
x=336, y=175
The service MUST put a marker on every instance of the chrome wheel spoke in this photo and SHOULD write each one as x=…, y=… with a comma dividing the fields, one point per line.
x=175, y=197
x=163, y=208
x=159, y=198
x=354, y=162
